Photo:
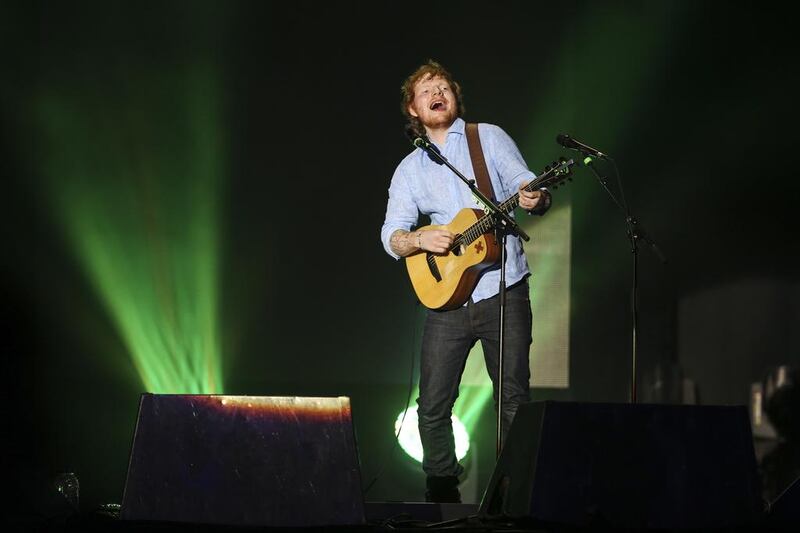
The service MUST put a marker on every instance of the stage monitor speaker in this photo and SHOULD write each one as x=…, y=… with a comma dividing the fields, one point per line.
x=627, y=466
x=244, y=461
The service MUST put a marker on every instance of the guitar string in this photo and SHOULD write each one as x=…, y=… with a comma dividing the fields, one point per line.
x=484, y=223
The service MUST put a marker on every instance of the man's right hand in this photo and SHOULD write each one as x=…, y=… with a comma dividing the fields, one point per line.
x=437, y=241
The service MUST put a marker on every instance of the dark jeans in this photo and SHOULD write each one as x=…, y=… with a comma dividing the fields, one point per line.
x=446, y=342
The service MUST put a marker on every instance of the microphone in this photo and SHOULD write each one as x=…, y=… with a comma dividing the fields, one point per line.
x=422, y=141
x=568, y=142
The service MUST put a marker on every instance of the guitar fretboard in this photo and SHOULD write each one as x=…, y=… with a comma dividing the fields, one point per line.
x=486, y=222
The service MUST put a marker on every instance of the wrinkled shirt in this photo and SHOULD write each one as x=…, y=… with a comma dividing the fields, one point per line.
x=420, y=185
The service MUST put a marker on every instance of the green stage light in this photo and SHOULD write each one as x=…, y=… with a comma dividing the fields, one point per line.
x=409, y=435
x=134, y=168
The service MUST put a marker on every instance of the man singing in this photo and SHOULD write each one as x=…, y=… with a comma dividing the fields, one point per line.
x=432, y=103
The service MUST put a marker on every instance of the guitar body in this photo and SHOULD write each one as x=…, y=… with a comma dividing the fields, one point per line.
x=446, y=281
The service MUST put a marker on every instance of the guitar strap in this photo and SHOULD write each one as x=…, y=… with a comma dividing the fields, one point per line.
x=479, y=161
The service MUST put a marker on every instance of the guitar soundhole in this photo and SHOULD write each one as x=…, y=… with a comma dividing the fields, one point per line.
x=458, y=250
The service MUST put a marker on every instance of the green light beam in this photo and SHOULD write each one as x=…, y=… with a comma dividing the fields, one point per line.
x=134, y=169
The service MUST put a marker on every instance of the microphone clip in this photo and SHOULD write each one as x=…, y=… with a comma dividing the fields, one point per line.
x=421, y=141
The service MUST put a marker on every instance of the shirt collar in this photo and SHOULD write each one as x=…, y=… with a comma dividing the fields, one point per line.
x=457, y=126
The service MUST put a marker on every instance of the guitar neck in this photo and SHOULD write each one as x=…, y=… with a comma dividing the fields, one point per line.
x=486, y=222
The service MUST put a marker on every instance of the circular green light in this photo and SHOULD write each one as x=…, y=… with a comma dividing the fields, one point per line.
x=409, y=435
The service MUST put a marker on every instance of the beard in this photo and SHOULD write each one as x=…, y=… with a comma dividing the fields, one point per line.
x=439, y=119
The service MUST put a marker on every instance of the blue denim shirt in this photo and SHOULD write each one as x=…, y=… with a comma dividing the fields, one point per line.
x=421, y=186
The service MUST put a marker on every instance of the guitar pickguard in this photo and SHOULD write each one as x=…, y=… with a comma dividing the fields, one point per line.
x=434, y=268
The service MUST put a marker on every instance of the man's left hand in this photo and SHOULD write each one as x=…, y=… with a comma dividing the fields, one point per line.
x=528, y=200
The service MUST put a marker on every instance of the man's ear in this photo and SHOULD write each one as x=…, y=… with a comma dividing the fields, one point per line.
x=412, y=111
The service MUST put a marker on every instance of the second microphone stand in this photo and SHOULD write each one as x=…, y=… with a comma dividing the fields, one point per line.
x=636, y=234
x=503, y=225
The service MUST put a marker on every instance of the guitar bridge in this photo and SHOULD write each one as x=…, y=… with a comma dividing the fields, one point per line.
x=433, y=267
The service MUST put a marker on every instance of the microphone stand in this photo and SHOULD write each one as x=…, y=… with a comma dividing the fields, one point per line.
x=503, y=225
x=635, y=233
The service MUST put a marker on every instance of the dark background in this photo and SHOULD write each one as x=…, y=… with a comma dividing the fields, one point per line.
x=695, y=100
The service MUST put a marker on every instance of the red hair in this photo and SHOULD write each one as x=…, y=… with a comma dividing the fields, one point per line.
x=431, y=69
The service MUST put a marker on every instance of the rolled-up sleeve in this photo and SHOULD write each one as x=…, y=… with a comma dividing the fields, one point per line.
x=401, y=210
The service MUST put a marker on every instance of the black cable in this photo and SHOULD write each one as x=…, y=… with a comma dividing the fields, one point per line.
x=619, y=186
x=405, y=412
x=454, y=522
x=620, y=203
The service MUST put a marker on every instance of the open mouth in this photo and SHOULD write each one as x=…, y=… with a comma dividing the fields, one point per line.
x=438, y=105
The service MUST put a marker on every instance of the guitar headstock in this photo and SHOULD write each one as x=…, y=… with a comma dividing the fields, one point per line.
x=556, y=173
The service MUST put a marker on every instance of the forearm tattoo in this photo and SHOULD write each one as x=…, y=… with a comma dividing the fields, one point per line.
x=402, y=243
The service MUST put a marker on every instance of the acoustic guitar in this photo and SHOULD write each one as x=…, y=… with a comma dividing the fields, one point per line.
x=445, y=281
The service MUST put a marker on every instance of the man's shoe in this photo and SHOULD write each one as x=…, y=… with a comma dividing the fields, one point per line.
x=442, y=489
